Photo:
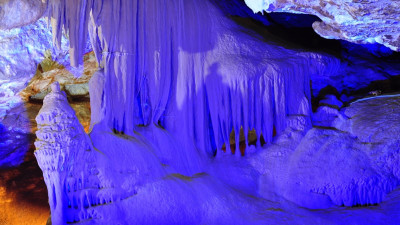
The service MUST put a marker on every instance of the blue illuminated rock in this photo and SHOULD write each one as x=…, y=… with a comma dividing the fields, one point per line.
x=325, y=116
x=18, y=13
x=332, y=101
x=176, y=79
x=22, y=49
x=371, y=21
x=64, y=154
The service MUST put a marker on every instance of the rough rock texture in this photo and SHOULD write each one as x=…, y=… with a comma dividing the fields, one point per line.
x=370, y=21
x=51, y=71
x=20, y=102
x=352, y=159
x=21, y=50
x=62, y=143
x=24, y=52
x=14, y=143
x=358, y=72
x=307, y=168
x=326, y=116
x=77, y=90
x=17, y=13
x=19, y=105
x=27, y=46
x=331, y=101
x=178, y=78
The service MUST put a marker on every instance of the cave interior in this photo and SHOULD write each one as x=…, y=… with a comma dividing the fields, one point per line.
x=199, y=112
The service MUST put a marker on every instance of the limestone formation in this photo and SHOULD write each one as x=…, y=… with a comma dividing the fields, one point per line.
x=175, y=79
x=359, y=21
x=17, y=13
x=65, y=155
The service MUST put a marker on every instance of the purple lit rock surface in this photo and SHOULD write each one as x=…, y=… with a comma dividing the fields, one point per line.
x=65, y=155
x=121, y=175
x=370, y=21
x=17, y=13
x=175, y=79
x=21, y=50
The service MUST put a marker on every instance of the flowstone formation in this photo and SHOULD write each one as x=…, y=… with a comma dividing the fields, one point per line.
x=370, y=21
x=176, y=79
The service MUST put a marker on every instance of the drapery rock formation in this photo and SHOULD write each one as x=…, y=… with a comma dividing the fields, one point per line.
x=370, y=21
x=147, y=57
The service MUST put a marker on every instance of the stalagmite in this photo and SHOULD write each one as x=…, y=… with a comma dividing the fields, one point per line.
x=64, y=154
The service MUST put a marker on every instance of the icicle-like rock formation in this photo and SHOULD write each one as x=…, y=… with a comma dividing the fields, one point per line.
x=371, y=21
x=70, y=17
x=165, y=63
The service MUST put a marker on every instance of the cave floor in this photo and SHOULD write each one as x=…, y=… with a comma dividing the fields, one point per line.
x=23, y=200
x=23, y=194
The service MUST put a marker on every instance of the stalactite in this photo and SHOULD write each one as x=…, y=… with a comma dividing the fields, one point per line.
x=72, y=17
x=158, y=58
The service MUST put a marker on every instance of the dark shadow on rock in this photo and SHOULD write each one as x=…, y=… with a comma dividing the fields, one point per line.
x=328, y=90
x=390, y=85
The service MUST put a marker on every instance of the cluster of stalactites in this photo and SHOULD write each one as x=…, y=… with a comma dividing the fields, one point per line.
x=267, y=104
x=71, y=17
x=156, y=57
